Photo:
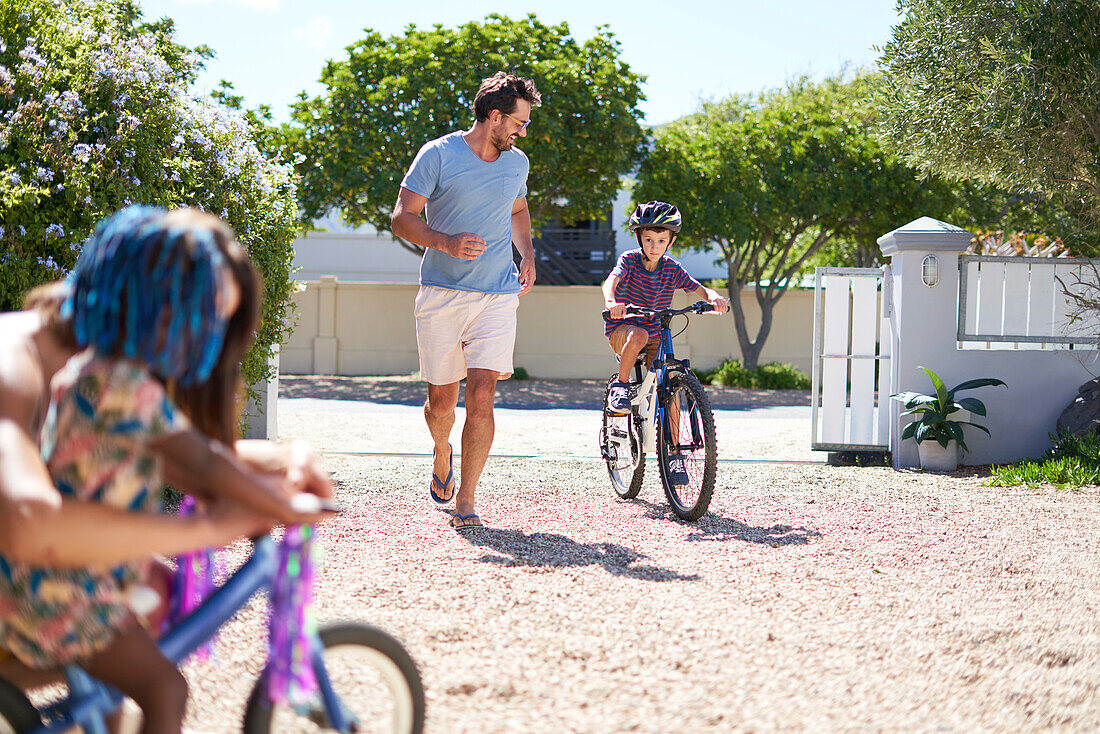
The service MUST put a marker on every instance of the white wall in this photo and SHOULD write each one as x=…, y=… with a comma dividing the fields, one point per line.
x=354, y=256
x=1040, y=383
x=368, y=329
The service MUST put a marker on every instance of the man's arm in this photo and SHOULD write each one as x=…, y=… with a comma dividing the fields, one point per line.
x=406, y=223
x=521, y=238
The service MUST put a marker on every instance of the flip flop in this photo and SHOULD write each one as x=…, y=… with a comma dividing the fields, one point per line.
x=444, y=484
x=466, y=521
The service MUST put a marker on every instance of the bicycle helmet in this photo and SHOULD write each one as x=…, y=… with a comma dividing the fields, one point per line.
x=655, y=215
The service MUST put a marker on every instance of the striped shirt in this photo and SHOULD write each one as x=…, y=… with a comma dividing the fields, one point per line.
x=649, y=289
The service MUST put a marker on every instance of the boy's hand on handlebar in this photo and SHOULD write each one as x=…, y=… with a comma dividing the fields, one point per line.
x=721, y=305
x=616, y=310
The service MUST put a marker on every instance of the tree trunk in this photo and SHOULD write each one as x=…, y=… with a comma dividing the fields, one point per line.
x=750, y=348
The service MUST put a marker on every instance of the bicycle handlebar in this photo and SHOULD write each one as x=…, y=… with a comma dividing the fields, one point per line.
x=631, y=309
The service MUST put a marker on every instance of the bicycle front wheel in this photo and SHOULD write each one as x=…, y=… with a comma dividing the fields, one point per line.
x=687, y=450
x=375, y=678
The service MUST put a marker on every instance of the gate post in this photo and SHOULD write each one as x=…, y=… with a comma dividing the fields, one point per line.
x=925, y=317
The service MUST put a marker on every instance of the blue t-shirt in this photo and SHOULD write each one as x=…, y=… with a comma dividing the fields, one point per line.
x=649, y=289
x=467, y=194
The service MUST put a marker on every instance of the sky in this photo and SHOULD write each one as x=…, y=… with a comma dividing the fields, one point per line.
x=689, y=52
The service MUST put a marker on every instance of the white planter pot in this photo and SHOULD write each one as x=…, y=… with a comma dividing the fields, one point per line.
x=934, y=457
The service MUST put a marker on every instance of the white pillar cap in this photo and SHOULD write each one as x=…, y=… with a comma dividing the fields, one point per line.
x=927, y=234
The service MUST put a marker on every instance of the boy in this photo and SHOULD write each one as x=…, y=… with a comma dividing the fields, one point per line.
x=645, y=277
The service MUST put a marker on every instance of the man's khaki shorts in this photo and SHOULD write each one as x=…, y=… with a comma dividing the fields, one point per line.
x=461, y=330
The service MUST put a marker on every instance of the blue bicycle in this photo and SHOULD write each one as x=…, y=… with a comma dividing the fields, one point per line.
x=366, y=680
x=670, y=401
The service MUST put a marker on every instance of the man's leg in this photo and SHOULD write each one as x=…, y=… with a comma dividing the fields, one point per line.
x=477, y=434
x=439, y=413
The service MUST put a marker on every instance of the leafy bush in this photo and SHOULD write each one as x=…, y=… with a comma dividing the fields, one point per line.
x=730, y=373
x=776, y=376
x=771, y=376
x=1072, y=461
x=519, y=373
x=95, y=114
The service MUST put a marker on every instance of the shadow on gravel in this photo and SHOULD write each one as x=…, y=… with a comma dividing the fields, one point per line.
x=550, y=550
x=514, y=394
x=717, y=528
x=395, y=391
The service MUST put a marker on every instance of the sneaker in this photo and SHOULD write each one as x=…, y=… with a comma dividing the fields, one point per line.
x=677, y=471
x=620, y=397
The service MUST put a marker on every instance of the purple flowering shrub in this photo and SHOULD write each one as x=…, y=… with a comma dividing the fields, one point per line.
x=96, y=113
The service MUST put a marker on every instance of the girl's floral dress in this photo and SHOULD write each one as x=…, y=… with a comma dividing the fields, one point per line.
x=103, y=415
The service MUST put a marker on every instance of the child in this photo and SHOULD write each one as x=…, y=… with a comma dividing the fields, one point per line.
x=645, y=277
x=165, y=304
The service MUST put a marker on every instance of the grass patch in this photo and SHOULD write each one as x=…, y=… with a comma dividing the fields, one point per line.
x=1072, y=461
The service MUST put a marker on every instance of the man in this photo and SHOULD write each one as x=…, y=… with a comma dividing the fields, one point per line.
x=473, y=186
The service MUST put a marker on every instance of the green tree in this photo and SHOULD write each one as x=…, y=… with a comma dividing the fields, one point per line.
x=973, y=205
x=1006, y=91
x=772, y=179
x=95, y=113
x=392, y=95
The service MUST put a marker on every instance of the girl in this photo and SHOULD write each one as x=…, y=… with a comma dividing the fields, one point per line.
x=165, y=305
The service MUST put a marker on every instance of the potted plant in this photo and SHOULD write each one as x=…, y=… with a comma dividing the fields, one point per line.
x=938, y=438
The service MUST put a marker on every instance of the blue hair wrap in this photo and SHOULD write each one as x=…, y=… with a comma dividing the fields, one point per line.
x=150, y=292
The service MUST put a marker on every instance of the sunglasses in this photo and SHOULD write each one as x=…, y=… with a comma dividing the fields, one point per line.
x=522, y=123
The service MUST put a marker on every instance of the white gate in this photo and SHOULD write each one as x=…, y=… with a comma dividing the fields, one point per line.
x=851, y=360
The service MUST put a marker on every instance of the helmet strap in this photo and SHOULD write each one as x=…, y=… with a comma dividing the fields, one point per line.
x=638, y=236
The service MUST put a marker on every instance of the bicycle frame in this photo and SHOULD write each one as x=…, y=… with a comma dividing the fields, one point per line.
x=653, y=386
x=90, y=700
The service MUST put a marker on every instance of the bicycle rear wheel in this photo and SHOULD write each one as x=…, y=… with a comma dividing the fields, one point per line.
x=372, y=673
x=17, y=715
x=687, y=436
x=621, y=447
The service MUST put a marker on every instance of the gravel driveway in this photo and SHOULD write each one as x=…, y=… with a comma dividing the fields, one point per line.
x=811, y=597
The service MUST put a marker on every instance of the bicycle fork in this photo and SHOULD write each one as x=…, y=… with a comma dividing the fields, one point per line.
x=339, y=717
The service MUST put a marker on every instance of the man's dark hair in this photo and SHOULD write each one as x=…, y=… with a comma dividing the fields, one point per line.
x=500, y=92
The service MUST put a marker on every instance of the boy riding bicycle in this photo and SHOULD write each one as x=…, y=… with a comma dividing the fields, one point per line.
x=645, y=277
